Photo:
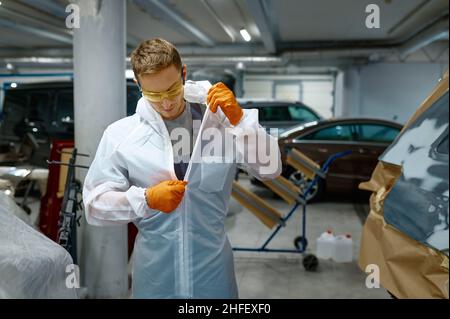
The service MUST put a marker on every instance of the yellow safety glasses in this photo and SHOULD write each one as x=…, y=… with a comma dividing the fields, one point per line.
x=170, y=94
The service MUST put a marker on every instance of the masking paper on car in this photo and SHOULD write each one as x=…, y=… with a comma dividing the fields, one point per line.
x=406, y=232
x=420, y=150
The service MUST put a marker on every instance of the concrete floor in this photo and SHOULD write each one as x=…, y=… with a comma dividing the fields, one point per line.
x=281, y=275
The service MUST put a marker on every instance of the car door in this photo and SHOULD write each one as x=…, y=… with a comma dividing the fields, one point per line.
x=326, y=141
x=373, y=139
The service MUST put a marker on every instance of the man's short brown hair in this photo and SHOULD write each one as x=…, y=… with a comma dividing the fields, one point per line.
x=152, y=56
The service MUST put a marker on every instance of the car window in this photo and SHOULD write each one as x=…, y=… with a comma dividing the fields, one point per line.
x=38, y=106
x=443, y=146
x=37, y=117
x=271, y=113
x=26, y=111
x=301, y=114
x=133, y=96
x=63, y=118
x=45, y=112
x=293, y=113
x=439, y=149
x=14, y=109
x=377, y=133
x=332, y=133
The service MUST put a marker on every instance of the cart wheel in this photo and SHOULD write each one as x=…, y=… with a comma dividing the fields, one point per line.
x=310, y=262
x=300, y=243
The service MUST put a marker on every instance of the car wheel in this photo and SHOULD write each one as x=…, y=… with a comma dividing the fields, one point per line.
x=300, y=180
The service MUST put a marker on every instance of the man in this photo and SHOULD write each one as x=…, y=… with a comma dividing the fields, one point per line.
x=178, y=204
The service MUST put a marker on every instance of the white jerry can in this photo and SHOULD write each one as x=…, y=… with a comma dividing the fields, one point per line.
x=343, y=249
x=325, y=245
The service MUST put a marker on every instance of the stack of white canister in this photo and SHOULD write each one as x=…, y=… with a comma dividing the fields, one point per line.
x=338, y=248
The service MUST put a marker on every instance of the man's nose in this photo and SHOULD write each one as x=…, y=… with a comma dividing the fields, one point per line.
x=166, y=102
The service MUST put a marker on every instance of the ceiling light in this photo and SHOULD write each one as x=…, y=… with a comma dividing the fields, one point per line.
x=245, y=35
x=240, y=66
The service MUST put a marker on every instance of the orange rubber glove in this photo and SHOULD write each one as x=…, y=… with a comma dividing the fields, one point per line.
x=165, y=196
x=220, y=95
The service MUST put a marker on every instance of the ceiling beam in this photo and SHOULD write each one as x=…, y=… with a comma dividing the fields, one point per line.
x=48, y=6
x=253, y=64
x=190, y=61
x=226, y=28
x=174, y=19
x=15, y=26
x=436, y=32
x=38, y=52
x=408, y=16
x=25, y=14
x=223, y=49
x=185, y=50
x=16, y=20
x=256, y=9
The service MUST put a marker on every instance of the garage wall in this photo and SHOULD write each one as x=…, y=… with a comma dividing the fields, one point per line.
x=316, y=91
x=388, y=90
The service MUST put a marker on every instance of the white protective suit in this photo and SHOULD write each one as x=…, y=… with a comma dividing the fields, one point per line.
x=184, y=254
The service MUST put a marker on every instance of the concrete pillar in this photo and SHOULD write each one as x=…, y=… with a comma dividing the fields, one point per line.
x=239, y=87
x=339, y=106
x=348, y=98
x=100, y=99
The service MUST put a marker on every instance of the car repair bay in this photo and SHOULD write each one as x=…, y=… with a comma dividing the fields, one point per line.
x=154, y=148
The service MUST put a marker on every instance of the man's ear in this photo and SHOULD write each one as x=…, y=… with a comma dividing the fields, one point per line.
x=184, y=73
x=137, y=83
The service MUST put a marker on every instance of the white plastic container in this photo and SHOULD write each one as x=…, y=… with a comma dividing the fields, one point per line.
x=325, y=245
x=343, y=249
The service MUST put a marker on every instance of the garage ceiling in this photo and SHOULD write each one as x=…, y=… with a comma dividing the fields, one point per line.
x=345, y=19
x=291, y=30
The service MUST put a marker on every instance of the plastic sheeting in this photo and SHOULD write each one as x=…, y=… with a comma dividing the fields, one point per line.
x=31, y=265
x=8, y=204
